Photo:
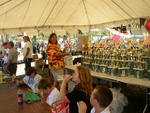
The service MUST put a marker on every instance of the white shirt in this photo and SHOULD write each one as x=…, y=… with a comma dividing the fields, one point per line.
x=104, y=111
x=22, y=44
x=53, y=97
x=6, y=57
x=28, y=45
x=33, y=82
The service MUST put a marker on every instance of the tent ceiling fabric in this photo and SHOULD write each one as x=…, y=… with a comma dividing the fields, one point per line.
x=69, y=14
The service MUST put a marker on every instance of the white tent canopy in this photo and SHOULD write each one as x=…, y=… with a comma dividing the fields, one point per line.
x=21, y=15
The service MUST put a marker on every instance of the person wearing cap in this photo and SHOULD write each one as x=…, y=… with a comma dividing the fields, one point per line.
x=11, y=66
x=27, y=52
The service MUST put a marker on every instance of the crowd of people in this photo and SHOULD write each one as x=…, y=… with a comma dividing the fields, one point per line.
x=82, y=99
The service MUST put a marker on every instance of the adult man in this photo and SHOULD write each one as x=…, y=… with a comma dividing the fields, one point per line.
x=27, y=52
x=6, y=51
x=12, y=59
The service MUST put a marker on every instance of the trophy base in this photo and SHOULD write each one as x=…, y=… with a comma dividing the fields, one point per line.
x=103, y=68
x=95, y=67
x=138, y=73
x=86, y=64
x=112, y=70
x=123, y=72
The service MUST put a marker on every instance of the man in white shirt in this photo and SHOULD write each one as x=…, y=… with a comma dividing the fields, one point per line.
x=100, y=99
x=27, y=52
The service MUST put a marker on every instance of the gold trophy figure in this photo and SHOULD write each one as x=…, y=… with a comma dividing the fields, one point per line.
x=121, y=49
x=83, y=52
x=127, y=45
x=139, y=61
x=117, y=45
x=139, y=65
x=86, y=58
x=97, y=44
x=113, y=63
x=128, y=55
x=98, y=53
x=95, y=59
x=89, y=54
x=135, y=55
x=103, y=63
x=89, y=45
x=133, y=51
x=103, y=60
x=123, y=65
x=95, y=62
x=117, y=58
x=123, y=62
x=83, y=46
x=140, y=45
x=111, y=51
x=146, y=52
x=133, y=42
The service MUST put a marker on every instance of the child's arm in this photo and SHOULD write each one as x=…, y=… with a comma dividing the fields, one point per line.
x=39, y=91
x=21, y=82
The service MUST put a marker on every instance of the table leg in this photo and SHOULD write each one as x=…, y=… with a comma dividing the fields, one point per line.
x=147, y=98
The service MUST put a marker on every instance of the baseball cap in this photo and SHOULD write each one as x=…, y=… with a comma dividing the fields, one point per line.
x=26, y=37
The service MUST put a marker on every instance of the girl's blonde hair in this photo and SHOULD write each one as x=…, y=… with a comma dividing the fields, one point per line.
x=85, y=84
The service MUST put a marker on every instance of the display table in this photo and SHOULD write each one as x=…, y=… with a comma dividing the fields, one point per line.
x=129, y=80
x=9, y=101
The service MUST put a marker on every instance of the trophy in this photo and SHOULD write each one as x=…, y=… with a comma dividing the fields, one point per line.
x=83, y=54
x=85, y=61
x=89, y=59
x=107, y=58
x=144, y=62
x=117, y=54
x=101, y=55
x=103, y=67
x=112, y=69
x=117, y=59
x=95, y=64
x=123, y=70
x=138, y=72
x=140, y=45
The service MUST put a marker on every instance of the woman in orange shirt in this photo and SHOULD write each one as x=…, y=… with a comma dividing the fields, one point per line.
x=55, y=56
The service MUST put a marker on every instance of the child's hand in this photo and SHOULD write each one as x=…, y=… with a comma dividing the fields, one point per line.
x=21, y=82
x=39, y=92
x=67, y=78
x=82, y=107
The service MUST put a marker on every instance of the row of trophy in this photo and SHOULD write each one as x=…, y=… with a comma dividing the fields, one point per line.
x=118, y=59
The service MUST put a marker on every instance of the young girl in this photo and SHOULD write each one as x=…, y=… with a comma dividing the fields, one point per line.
x=32, y=79
x=82, y=91
x=53, y=94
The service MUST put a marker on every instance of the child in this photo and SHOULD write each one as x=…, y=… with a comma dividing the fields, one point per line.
x=53, y=94
x=101, y=97
x=32, y=79
x=82, y=91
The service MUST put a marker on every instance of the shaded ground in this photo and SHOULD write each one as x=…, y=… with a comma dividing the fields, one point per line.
x=136, y=96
